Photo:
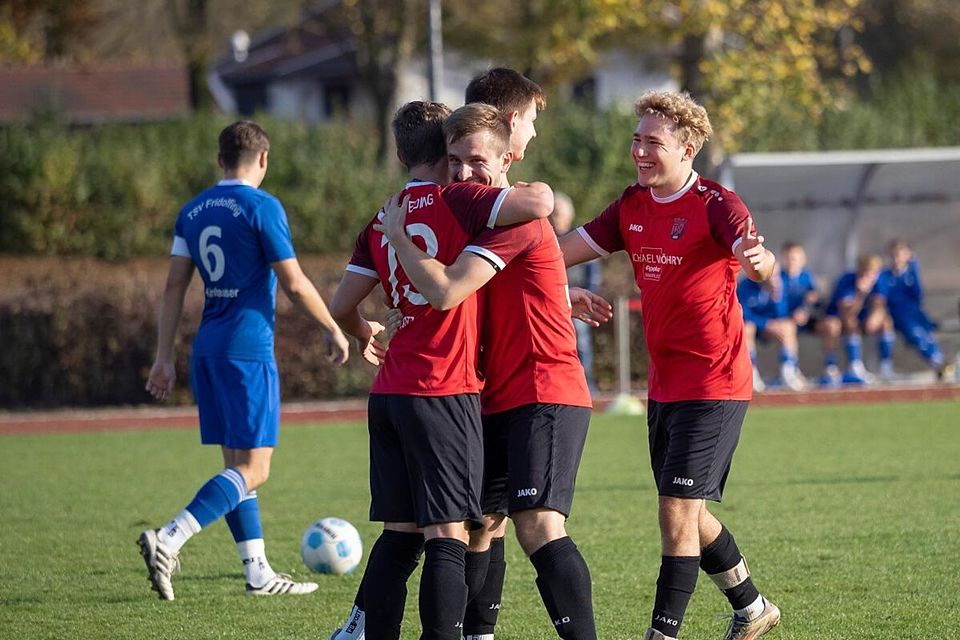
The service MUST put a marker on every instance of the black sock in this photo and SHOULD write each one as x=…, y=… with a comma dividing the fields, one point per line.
x=678, y=579
x=717, y=559
x=383, y=590
x=477, y=563
x=483, y=609
x=443, y=590
x=564, y=583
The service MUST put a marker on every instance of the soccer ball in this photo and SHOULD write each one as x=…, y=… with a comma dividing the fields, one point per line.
x=331, y=545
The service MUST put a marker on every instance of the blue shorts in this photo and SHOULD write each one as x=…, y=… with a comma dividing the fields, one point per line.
x=238, y=400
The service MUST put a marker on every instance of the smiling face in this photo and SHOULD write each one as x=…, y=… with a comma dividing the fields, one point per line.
x=663, y=163
x=478, y=158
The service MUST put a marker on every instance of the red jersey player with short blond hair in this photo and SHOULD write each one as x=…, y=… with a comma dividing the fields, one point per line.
x=536, y=403
x=687, y=238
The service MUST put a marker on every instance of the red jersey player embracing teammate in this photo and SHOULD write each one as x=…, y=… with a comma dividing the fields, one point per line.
x=687, y=239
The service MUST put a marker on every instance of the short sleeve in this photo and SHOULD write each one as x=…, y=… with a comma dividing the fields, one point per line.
x=603, y=233
x=274, y=231
x=179, y=247
x=501, y=245
x=476, y=206
x=362, y=260
x=727, y=215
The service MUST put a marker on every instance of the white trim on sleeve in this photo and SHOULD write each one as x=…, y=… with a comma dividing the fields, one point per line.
x=180, y=247
x=495, y=211
x=593, y=245
x=370, y=273
x=486, y=253
x=736, y=243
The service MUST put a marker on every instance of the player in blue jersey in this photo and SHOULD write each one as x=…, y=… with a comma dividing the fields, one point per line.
x=803, y=302
x=857, y=307
x=238, y=238
x=766, y=314
x=901, y=286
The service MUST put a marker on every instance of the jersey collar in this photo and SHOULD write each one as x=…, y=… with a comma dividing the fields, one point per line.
x=236, y=182
x=692, y=180
x=413, y=182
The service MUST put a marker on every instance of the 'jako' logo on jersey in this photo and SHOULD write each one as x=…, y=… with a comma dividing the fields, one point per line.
x=525, y=493
x=687, y=482
x=636, y=227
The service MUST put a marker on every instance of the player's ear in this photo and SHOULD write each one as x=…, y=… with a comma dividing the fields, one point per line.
x=512, y=118
x=507, y=160
x=262, y=160
x=220, y=161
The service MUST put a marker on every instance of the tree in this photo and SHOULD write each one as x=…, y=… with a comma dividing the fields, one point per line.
x=385, y=33
x=744, y=59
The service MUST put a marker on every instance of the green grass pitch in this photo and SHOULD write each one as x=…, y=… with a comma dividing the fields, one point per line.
x=849, y=517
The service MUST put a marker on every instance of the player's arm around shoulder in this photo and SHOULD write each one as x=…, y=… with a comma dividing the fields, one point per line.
x=444, y=287
x=301, y=292
x=525, y=202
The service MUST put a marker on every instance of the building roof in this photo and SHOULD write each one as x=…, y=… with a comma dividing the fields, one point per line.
x=92, y=95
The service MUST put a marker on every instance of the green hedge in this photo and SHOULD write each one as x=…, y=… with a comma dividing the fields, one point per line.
x=82, y=332
x=113, y=191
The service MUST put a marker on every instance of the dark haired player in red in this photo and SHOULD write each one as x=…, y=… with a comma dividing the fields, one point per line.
x=535, y=402
x=687, y=238
x=424, y=411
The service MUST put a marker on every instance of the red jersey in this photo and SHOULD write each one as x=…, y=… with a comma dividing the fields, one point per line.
x=681, y=248
x=529, y=343
x=434, y=353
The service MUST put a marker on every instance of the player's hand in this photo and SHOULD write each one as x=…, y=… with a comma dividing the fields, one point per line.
x=801, y=316
x=338, y=347
x=753, y=256
x=162, y=377
x=371, y=349
x=587, y=306
x=394, y=319
x=394, y=220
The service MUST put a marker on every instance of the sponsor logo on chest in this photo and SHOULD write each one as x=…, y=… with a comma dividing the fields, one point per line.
x=653, y=260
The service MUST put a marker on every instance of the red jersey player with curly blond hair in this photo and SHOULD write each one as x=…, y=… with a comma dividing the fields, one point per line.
x=687, y=238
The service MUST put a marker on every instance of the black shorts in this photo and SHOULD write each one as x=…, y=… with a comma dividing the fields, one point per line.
x=692, y=444
x=426, y=458
x=531, y=457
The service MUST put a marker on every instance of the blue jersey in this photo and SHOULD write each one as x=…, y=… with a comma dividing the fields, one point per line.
x=846, y=289
x=904, y=295
x=233, y=232
x=759, y=301
x=797, y=287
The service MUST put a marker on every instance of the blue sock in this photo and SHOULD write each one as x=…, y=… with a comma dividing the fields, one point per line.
x=852, y=345
x=244, y=521
x=786, y=357
x=830, y=360
x=753, y=357
x=218, y=497
x=885, y=345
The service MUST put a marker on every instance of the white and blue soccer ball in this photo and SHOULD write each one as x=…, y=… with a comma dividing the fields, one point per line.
x=331, y=545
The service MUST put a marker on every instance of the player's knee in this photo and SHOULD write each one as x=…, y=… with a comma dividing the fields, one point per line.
x=455, y=530
x=537, y=527
x=494, y=526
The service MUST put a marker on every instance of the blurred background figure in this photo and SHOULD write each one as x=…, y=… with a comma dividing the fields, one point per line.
x=587, y=275
x=805, y=304
x=857, y=307
x=766, y=314
x=900, y=285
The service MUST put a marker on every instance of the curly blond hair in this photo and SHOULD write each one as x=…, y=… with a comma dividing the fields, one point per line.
x=691, y=122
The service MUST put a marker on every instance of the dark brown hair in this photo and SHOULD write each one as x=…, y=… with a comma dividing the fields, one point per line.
x=418, y=131
x=506, y=90
x=241, y=143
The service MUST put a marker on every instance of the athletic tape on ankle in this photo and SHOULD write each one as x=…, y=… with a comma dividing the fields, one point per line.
x=732, y=577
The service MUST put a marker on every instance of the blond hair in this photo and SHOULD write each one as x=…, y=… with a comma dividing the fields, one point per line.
x=690, y=119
